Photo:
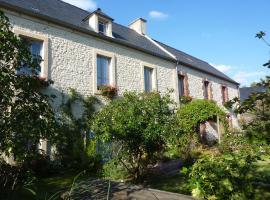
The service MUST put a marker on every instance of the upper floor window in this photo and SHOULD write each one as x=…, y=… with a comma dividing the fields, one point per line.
x=103, y=70
x=36, y=50
x=206, y=89
x=181, y=85
x=224, y=93
x=102, y=27
x=148, y=79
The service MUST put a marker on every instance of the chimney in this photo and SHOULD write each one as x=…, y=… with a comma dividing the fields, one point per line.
x=139, y=25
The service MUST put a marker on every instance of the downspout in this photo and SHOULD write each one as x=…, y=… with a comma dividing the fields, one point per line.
x=177, y=91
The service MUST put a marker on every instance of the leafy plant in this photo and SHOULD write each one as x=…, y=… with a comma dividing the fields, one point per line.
x=185, y=99
x=75, y=146
x=227, y=176
x=108, y=91
x=14, y=178
x=26, y=116
x=258, y=106
x=139, y=124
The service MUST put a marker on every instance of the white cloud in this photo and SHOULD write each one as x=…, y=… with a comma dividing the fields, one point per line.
x=83, y=4
x=247, y=77
x=222, y=68
x=158, y=15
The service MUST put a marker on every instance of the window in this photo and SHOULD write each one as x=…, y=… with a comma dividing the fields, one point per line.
x=224, y=94
x=206, y=89
x=36, y=50
x=181, y=86
x=102, y=27
x=103, y=65
x=148, y=79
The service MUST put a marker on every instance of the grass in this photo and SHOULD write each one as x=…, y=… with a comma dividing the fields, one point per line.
x=262, y=176
x=46, y=187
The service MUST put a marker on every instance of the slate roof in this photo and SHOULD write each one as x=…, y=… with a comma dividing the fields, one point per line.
x=246, y=91
x=100, y=13
x=70, y=16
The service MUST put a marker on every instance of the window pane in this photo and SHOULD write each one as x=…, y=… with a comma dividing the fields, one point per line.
x=206, y=84
x=148, y=80
x=35, y=48
x=223, y=90
x=103, y=64
x=181, y=85
x=101, y=27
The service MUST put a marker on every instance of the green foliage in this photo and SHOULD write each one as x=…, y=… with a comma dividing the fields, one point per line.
x=196, y=112
x=227, y=176
x=256, y=105
x=108, y=91
x=75, y=148
x=189, y=118
x=13, y=178
x=115, y=171
x=185, y=99
x=140, y=125
x=26, y=115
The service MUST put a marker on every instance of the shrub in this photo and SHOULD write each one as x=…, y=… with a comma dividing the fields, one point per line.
x=189, y=117
x=228, y=176
x=140, y=124
x=196, y=112
x=13, y=178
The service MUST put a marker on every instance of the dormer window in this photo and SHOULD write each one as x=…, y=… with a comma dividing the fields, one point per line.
x=100, y=22
x=102, y=26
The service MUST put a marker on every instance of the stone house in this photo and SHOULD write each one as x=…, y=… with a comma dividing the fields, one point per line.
x=85, y=50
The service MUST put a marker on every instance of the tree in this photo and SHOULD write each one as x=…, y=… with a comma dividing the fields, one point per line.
x=26, y=116
x=139, y=124
x=258, y=104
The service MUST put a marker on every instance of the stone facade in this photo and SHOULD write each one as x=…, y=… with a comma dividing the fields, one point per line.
x=72, y=57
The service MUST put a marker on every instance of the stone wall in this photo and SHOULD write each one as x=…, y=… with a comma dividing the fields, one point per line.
x=71, y=64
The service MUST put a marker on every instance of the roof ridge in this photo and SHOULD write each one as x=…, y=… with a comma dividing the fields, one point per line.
x=182, y=52
x=64, y=2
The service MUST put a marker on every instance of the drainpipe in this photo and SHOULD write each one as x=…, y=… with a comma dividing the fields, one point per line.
x=177, y=91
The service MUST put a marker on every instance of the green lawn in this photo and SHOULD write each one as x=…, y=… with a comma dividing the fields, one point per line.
x=46, y=187
x=262, y=175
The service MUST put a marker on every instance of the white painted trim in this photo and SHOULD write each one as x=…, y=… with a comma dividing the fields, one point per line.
x=112, y=68
x=159, y=46
x=154, y=78
x=45, y=49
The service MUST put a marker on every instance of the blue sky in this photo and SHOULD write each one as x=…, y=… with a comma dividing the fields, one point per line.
x=219, y=32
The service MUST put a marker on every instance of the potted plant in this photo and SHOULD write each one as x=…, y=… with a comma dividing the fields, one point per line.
x=108, y=91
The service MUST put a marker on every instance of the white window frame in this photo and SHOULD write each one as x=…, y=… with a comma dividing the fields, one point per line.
x=105, y=26
x=154, y=76
x=44, y=51
x=112, y=68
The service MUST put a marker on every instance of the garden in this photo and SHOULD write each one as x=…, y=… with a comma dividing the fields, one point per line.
x=124, y=142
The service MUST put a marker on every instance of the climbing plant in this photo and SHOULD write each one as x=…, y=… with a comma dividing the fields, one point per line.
x=75, y=145
x=196, y=112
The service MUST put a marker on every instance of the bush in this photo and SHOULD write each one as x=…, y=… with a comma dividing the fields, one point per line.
x=114, y=170
x=140, y=124
x=196, y=112
x=227, y=176
x=189, y=117
x=13, y=178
